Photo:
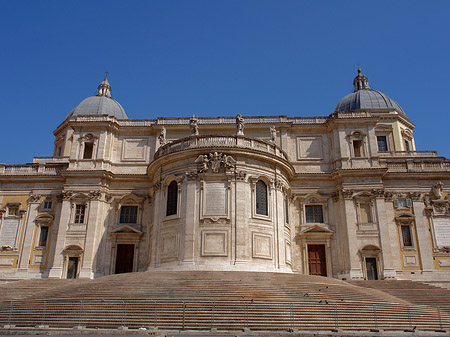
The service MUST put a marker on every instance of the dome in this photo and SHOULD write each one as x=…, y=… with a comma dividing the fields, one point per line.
x=102, y=104
x=364, y=98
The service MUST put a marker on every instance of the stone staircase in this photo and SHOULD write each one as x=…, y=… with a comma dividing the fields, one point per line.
x=207, y=300
x=411, y=291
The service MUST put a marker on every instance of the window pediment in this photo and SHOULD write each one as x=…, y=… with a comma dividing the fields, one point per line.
x=316, y=230
x=126, y=230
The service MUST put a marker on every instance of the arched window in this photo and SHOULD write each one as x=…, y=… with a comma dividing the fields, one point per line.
x=172, y=198
x=261, y=198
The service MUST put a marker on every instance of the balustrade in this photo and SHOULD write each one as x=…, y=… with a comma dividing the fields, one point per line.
x=220, y=141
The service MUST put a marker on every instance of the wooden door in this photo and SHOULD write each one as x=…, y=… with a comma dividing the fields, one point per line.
x=316, y=260
x=124, y=258
x=372, y=270
x=72, y=267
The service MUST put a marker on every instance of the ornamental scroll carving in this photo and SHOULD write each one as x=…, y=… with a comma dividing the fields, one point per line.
x=335, y=196
x=95, y=195
x=34, y=198
x=66, y=195
x=415, y=196
x=378, y=192
x=347, y=194
x=214, y=162
x=388, y=196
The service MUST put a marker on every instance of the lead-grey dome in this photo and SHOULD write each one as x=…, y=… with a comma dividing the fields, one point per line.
x=364, y=98
x=102, y=104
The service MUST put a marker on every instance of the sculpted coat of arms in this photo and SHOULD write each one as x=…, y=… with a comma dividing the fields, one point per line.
x=214, y=161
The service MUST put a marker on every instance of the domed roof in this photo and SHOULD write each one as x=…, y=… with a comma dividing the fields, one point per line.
x=102, y=104
x=364, y=98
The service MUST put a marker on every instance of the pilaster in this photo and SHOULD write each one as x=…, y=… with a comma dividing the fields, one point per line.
x=27, y=242
x=423, y=236
x=60, y=237
x=385, y=239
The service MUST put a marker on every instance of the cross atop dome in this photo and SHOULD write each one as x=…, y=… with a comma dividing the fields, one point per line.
x=361, y=82
x=104, y=89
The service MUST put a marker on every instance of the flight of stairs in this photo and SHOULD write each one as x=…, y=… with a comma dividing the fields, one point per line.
x=206, y=300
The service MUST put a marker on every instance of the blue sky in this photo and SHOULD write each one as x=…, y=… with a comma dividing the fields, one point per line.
x=212, y=57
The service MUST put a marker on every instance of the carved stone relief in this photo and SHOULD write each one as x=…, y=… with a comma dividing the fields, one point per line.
x=214, y=162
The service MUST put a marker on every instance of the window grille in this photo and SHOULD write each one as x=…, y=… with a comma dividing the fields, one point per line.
x=382, y=143
x=43, y=236
x=261, y=198
x=314, y=213
x=406, y=236
x=80, y=211
x=172, y=198
x=128, y=214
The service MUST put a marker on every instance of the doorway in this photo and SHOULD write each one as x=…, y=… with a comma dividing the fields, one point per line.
x=72, y=267
x=317, y=262
x=124, y=258
x=371, y=267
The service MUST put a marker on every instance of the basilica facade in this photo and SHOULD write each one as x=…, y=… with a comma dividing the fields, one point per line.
x=345, y=195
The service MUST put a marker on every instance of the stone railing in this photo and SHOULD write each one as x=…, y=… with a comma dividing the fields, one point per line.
x=30, y=169
x=204, y=120
x=416, y=166
x=392, y=154
x=213, y=141
x=43, y=160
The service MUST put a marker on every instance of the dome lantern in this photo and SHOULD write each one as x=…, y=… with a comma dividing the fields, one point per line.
x=104, y=89
x=361, y=82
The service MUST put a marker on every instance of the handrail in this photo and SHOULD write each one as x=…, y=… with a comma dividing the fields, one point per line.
x=222, y=314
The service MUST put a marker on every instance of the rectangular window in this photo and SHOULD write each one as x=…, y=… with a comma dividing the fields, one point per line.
x=365, y=212
x=382, y=143
x=357, y=148
x=88, y=149
x=402, y=203
x=80, y=211
x=43, y=236
x=406, y=236
x=13, y=211
x=314, y=213
x=128, y=214
x=47, y=205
